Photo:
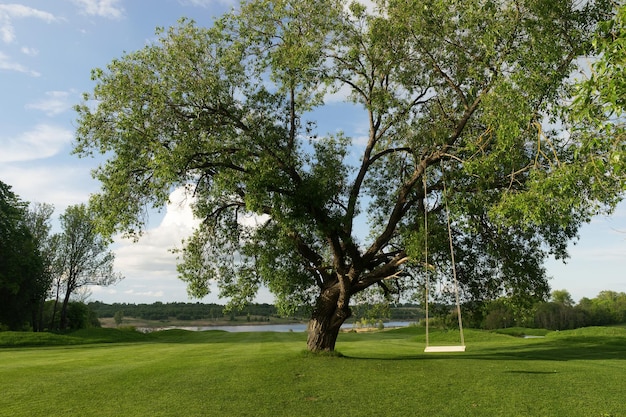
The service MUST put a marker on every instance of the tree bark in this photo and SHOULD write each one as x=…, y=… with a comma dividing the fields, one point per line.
x=331, y=311
x=66, y=300
x=56, y=303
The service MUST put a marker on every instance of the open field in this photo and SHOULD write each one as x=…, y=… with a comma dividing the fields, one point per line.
x=109, y=372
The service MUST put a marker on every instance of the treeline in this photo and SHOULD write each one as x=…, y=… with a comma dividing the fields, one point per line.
x=180, y=311
x=560, y=313
x=201, y=311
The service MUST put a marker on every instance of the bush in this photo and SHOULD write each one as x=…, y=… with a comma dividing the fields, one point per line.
x=81, y=317
x=499, y=317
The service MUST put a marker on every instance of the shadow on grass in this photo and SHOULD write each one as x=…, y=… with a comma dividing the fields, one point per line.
x=564, y=349
x=561, y=349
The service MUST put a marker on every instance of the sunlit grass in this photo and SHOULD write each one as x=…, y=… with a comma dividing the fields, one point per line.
x=175, y=373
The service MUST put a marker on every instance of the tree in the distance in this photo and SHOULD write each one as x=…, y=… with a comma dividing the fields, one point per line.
x=82, y=256
x=457, y=96
x=38, y=220
x=562, y=297
x=118, y=317
x=22, y=269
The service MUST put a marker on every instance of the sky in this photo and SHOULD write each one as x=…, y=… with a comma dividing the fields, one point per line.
x=47, y=51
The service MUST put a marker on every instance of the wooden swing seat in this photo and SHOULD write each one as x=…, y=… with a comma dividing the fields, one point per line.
x=431, y=349
x=450, y=348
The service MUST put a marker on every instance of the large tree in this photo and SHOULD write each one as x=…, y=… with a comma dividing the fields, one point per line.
x=22, y=268
x=462, y=106
x=82, y=256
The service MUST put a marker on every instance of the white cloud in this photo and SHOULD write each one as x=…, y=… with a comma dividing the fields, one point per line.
x=179, y=215
x=54, y=103
x=148, y=265
x=102, y=8
x=151, y=253
x=7, y=33
x=339, y=96
x=29, y=51
x=614, y=253
x=43, y=141
x=253, y=220
x=58, y=185
x=122, y=293
x=7, y=64
x=151, y=294
x=19, y=10
x=8, y=12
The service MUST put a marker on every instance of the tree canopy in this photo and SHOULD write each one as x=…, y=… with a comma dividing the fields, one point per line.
x=35, y=264
x=464, y=97
x=82, y=256
x=22, y=270
x=601, y=101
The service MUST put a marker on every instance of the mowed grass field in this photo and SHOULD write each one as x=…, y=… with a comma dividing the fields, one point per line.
x=110, y=372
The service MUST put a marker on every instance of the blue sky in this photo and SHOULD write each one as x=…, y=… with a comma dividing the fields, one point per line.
x=47, y=50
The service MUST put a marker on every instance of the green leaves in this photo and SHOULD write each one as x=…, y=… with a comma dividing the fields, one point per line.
x=82, y=253
x=466, y=91
x=22, y=266
x=597, y=110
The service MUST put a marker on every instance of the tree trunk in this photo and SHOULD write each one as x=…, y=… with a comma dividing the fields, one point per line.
x=42, y=305
x=56, y=303
x=34, y=313
x=329, y=314
x=66, y=301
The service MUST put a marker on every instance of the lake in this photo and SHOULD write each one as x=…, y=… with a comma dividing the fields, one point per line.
x=292, y=327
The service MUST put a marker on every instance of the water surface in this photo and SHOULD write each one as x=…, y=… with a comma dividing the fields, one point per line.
x=290, y=327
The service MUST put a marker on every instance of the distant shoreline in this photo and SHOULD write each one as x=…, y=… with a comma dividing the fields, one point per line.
x=135, y=322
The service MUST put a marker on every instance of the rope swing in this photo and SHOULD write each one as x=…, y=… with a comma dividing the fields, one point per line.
x=461, y=347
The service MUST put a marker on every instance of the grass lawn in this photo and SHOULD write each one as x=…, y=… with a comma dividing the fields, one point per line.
x=108, y=372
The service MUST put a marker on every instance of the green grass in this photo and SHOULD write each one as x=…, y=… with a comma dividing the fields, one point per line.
x=110, y=372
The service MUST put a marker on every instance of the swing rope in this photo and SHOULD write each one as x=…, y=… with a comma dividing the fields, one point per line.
x=427, y=278
x=454, y=275
x=456, y=283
